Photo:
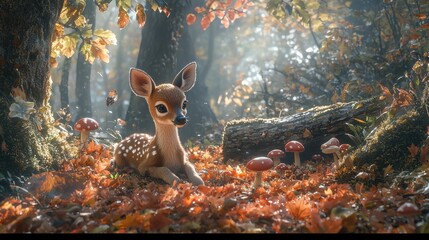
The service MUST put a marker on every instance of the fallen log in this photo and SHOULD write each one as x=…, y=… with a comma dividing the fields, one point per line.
x=247, y=138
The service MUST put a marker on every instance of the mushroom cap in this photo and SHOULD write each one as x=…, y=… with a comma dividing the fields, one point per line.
x=344, y=147
x=86, y=124
x=317, y=157
x=331, y=149
x=294, y=146
x=408, y=209
x=276, y=153
x=260, y=164
x=331, y=142
x=282, y=167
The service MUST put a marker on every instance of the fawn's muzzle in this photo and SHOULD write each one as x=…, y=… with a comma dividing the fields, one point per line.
x=180, y=120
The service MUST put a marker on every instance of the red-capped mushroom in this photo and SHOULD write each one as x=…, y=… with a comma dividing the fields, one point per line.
x=295, y=147
x=408, y=210
x=258, y=165
x=344, y=148
x=281, y=168
x=85, y=126
x=276, y=154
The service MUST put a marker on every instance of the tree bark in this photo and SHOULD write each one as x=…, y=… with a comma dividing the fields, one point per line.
x=160, y=48
x=64, y=85
x=244, y=139
x=83, y=71
x=26, y=29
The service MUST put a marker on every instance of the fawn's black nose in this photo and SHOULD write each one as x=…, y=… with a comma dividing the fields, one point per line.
x=180, y=120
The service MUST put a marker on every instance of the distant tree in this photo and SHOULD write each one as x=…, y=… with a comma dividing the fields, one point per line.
x=83, y=70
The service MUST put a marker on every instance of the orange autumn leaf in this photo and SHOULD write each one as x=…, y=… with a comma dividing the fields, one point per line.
x=420, y=16
x=123, y=18
x=132, y=220
x=205, y=22
x=98, y=50
x=413, y=149
x=385, y=92
x=159, y=221
x=140, y=15
x=93, y=147
x=327, y=225
x=191, y=18
x=299, y=208
x=50, y=182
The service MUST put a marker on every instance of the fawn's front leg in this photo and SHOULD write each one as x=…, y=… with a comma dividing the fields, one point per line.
x=192, y=174
x=162, y=173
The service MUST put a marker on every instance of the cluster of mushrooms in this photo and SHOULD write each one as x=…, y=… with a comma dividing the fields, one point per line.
x=260, y=164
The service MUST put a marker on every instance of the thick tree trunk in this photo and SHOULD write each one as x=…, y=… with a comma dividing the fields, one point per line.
x=83, y=71
x=161, y=58
x=244, y=139
x=25, y=43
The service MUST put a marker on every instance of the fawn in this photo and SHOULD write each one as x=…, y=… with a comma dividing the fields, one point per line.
x=161, y=155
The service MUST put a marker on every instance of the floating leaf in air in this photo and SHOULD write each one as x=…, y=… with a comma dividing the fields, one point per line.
x=112, y=97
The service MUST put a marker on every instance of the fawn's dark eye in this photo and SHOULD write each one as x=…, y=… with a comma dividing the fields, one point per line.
x=184, y=104
x=161, y=108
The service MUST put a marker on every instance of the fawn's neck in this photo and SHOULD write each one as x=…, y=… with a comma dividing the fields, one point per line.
x=167, y=138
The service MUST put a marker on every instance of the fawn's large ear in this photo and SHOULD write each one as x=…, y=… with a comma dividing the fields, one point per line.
x=141, y=83
x=185, y=79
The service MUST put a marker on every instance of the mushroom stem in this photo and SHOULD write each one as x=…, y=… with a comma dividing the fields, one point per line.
x=258, y=179
x=336, y=159
x=276, y=161
x=84, y=136
x=296, y=159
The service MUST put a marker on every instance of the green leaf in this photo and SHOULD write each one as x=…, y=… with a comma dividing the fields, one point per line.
x=125, y=4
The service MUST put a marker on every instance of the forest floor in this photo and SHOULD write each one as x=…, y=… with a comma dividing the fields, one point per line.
x=88, y=195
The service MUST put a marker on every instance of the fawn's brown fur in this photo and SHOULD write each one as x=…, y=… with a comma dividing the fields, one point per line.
x=161, y=155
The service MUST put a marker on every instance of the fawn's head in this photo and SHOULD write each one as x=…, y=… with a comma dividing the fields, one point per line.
x=167, y=102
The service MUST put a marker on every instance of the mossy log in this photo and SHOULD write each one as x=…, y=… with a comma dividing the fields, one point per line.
x=390, y=145
x=244, y=139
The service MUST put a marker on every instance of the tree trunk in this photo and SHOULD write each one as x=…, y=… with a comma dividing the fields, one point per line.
x=159, y=57
x=25, y=43
x=64, y=85
x=199, y=111
x=244, y=139
x=83, y=71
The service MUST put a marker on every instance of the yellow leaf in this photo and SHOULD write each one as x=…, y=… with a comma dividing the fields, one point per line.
x=108, y=36
x=141, y=15
x=123, y=18
x=69, y=45
x=87, y=53
x=307, y=133
x=80, y=21
x=237, y=101
x=359, y=120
